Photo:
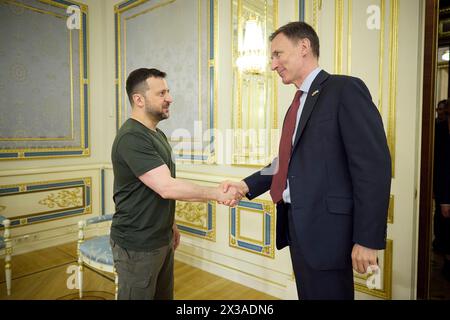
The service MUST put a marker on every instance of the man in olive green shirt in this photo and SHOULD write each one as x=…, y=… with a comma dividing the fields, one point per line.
x=143, y=233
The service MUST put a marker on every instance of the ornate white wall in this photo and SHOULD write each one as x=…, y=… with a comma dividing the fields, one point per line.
x=236, y=244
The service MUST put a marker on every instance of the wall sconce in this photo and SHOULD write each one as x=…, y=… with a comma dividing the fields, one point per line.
x=252, y=57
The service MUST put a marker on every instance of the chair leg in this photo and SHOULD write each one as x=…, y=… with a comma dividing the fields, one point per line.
x=116, y=284
x=80, y=278
x=8, y=274
x=8, y=249
x=81, y=225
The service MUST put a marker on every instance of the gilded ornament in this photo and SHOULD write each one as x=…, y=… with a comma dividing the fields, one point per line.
x=64, y=199
x=194, y=213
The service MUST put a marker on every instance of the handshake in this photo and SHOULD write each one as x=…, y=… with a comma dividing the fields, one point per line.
x=229, y=193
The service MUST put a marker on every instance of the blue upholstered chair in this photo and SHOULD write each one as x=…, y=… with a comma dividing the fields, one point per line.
x=6, y=250
x=95, y=252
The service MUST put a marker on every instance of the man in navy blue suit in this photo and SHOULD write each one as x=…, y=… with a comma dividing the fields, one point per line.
x=331, y=181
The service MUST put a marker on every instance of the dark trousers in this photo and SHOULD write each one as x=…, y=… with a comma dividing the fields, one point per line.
x=144, y=275
x=441, y=231
x=315, y=284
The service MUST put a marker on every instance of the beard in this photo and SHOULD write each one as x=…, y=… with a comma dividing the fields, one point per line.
x=157, y=114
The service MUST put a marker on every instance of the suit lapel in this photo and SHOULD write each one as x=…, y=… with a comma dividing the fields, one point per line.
x=311, y=99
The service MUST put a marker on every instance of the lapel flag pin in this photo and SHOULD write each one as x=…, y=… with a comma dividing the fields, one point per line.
x=314, y=93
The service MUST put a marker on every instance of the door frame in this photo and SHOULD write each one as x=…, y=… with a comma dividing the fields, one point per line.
x=427, y=150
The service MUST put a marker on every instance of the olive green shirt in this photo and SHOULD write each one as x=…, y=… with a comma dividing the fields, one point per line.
x=143, y=220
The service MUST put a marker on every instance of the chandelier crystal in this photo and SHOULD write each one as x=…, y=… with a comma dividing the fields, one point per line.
x=252, y=57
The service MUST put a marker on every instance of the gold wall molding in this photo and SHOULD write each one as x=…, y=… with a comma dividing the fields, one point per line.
x=338, y=36
x=83, y=149
x=349, y=35
x=196, y=219
x=68, y=198
x=265, y=244
x=393, y=59
x=381, y=55
x=391, y=210
x=253, y=143
x=57, y=4
x=38, y=10
x=193, y=212
x=316, y=8
x=63, y=199
x=207, y=153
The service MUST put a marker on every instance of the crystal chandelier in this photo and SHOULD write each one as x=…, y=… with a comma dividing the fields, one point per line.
x=252, y=57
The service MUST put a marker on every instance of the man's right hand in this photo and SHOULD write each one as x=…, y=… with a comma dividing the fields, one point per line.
x=230, y=198
x=241, y=186
x=238, y=188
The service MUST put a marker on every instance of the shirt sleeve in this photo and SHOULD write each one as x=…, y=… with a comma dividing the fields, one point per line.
x=139, y=153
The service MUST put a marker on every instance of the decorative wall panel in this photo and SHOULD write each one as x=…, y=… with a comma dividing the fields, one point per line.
x=252, y=227
x=255, y=112
x=197, y=219
x=353, y=30
x=31, y=203
x=145, y=37
x=44, y=98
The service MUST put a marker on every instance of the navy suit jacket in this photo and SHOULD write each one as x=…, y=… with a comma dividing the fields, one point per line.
x=339, y=175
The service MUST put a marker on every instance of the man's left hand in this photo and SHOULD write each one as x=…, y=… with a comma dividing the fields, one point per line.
x=363, y=257
x=176, y=237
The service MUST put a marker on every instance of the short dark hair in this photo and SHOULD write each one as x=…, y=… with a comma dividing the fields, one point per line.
x=298, y=30
x=444, y=102
x=136, y=81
